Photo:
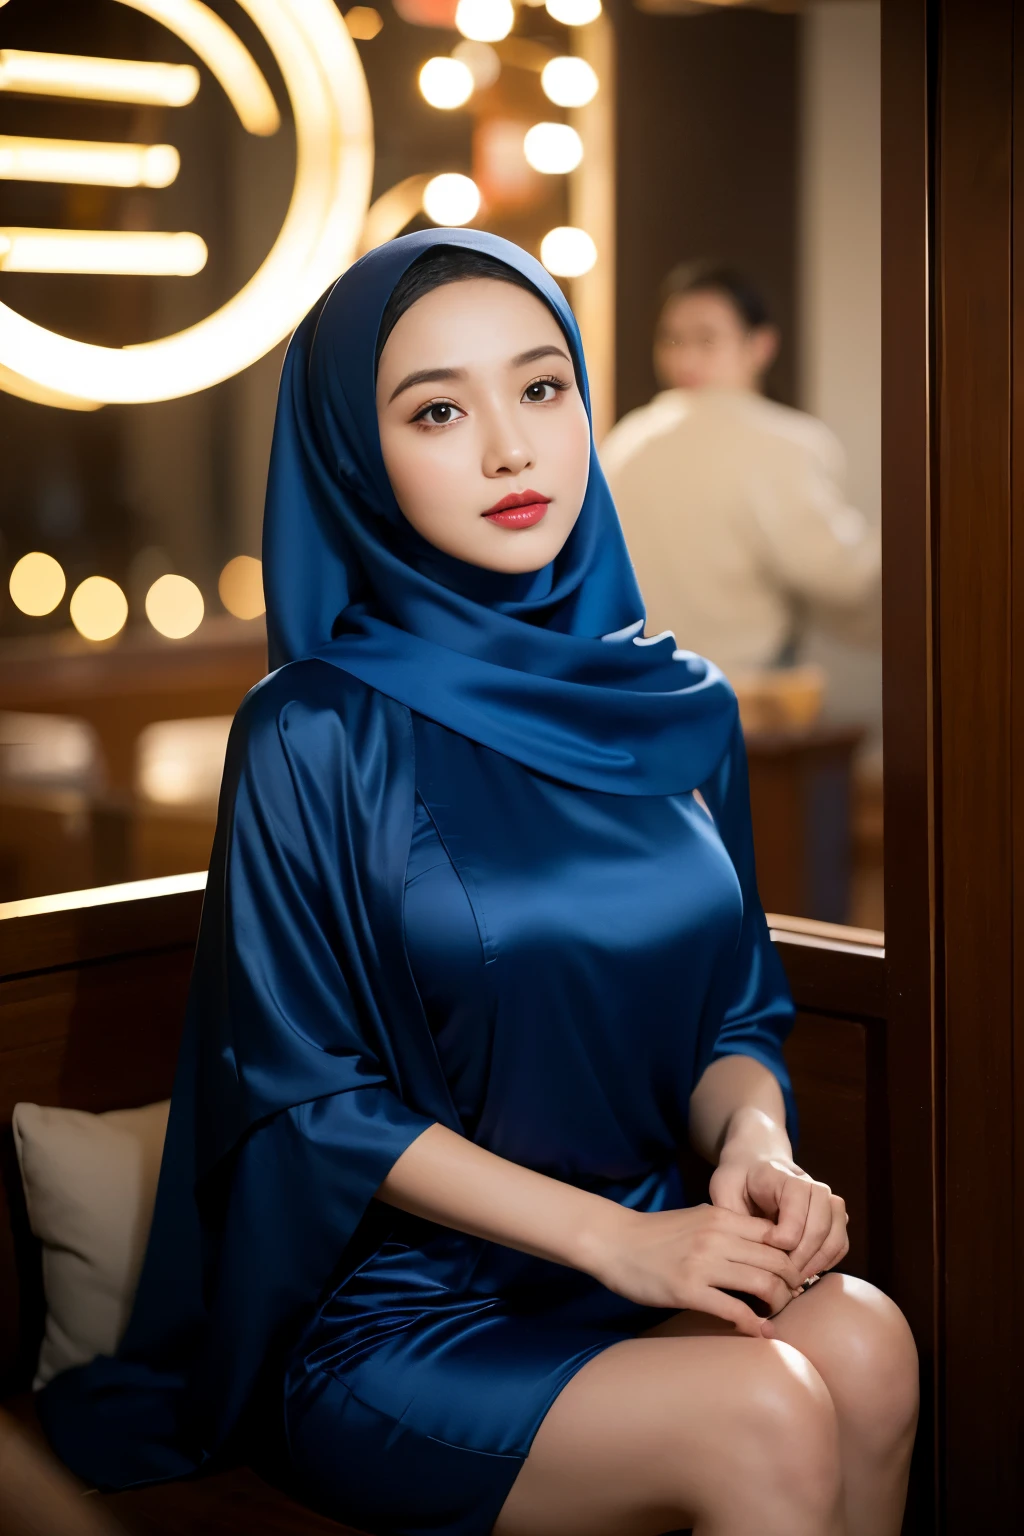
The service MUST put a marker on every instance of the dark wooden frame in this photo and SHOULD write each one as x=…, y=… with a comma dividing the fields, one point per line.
x=909, y=702
x=953, y=430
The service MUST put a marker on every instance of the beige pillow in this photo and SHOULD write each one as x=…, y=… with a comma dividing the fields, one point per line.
x=90, y=1184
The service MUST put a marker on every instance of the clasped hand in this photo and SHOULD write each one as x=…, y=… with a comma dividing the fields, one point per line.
x=769, y=1229
x=809, y=1221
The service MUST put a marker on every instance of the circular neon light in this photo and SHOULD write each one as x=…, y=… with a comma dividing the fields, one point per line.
x=334, y=166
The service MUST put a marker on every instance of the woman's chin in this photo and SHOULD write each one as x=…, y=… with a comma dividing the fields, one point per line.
x=511, y=552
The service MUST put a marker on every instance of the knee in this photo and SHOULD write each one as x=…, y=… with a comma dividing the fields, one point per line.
x=787, y=1428
x=869, y=1359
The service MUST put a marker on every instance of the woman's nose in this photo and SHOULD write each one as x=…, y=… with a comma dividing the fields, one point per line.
x=506, y=452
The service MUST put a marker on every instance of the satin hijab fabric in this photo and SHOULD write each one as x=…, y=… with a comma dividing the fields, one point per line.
x=549, y=668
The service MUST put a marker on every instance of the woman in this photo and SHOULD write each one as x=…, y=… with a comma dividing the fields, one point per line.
x=475, y=954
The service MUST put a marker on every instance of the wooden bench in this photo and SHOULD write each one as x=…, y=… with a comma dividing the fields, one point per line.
x=55, y=840
x=92, y=991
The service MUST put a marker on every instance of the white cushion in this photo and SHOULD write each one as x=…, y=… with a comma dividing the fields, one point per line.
x=90, y=1185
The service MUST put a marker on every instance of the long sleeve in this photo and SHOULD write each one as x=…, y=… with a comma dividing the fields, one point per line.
x=756, y=1006
x=299, y=1081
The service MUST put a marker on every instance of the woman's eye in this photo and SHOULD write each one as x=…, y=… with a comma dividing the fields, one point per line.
x=542, y=390
x=439, y=414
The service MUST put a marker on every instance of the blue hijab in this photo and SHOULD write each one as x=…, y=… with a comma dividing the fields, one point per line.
x=550, y=668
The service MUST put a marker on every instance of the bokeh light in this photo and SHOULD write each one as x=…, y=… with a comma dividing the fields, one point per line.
x=573, y=13
x=241, y=587
x=567, y=251
x=37, y=584
x=451, y=199
x=553, y=148
x=98, y=608
x=568, y=81
x=480, y=59
x=363, y=22
x=485, y=21
x=174, y=606
x=446, y=83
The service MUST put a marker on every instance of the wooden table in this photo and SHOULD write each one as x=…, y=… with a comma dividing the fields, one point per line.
x=121, y=688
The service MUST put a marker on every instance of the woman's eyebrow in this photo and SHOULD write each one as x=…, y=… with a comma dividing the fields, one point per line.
x=537, y=352
x=427, y=376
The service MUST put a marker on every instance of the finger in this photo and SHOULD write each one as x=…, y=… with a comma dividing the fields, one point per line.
x=794, y=1206
x=775, y=1293
x=761, y=1256
x=836, y=1246
x=756, y=1229
x=744, y=1319
x=728, y=1191
x=816, y=1228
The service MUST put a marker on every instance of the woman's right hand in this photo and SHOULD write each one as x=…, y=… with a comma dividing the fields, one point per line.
x=688, y=1259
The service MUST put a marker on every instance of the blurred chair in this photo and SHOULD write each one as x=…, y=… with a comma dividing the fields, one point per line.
x=49, y=752
x=180, y=762
x=51, y=770
x=178, y=768
x=62, y=829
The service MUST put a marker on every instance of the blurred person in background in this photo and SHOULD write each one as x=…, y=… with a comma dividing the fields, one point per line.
x=731, y=503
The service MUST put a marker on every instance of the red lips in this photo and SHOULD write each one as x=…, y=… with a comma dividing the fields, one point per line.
x=520, y=509
x=517, y=499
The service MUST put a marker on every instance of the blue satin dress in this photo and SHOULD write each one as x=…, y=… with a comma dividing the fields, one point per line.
x=581, y=958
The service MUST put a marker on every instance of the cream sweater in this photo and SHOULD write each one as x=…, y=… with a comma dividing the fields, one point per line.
x=734, y=516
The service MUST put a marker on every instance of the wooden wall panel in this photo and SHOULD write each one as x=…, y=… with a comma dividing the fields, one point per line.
x=974, y=195
x=828, y=1060
x=1017, y=699
x=908, y=699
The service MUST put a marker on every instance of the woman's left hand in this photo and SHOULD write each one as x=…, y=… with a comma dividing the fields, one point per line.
x=810, y=1221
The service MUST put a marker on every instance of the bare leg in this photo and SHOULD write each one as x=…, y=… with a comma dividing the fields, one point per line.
x=37, y=1496
x=859, y=1343
x=732, y=1436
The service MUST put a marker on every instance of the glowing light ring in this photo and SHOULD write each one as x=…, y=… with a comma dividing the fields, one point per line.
x=224, y=54
x=334, y=167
